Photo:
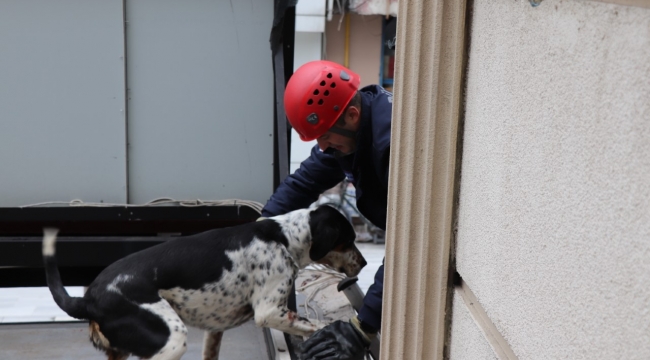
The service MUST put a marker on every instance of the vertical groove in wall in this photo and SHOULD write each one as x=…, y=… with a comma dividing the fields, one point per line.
x=497, y=342
x=453, y=275
x=637, y=3
x=430, y=43
x=126, y=104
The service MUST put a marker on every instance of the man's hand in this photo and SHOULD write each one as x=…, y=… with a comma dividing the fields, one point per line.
x=337, y=341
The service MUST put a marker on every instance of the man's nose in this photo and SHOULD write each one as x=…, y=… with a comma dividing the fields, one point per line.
x=322, y=144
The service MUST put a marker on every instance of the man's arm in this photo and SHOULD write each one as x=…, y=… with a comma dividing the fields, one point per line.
x=370, y=313
x=319, y=172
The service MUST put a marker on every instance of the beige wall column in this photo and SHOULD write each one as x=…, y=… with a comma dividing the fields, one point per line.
x=428, y=79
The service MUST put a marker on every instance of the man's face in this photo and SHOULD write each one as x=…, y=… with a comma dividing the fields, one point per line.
x=342, y=144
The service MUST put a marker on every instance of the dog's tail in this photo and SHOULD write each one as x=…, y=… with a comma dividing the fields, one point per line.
x=73, y=306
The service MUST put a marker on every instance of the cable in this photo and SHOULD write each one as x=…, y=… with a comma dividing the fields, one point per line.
x=157, y=202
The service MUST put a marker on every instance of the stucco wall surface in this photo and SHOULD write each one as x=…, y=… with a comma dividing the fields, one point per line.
x=554, y=215
x=466, y=341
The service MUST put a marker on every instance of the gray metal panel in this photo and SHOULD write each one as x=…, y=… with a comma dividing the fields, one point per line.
x=62, y=122
x=200, y=84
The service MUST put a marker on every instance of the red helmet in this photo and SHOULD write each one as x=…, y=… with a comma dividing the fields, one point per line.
x=316, y=95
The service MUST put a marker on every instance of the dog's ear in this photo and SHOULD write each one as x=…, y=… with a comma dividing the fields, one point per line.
x=329, y=228
x=323, y=240
x=324, y=232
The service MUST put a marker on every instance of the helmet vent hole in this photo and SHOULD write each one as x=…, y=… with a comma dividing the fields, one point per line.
x=322, y=83
x=310, y=101
x=326, y=93
x=333, y=85
x=316, y=92
x=329, y=75
x=320, y=102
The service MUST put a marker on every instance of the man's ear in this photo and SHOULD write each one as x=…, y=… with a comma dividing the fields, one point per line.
x=353, y=116
x=323, y=240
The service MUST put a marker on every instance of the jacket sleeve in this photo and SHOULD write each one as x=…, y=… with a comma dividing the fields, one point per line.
x=382, y=119
x=370, y=312
x=382, y=166
x=319, y=172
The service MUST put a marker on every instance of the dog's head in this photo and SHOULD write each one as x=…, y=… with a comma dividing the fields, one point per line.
x=332, y=241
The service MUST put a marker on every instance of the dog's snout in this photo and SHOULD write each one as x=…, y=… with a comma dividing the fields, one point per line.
x=358, y=258
x=363, y=262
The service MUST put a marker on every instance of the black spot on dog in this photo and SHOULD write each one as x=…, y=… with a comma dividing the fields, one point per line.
x=270, y=232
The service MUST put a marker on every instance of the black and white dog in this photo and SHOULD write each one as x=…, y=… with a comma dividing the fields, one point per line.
x=215, y=280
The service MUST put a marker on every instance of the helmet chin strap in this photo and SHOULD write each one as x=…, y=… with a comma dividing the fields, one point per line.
x=344, y=132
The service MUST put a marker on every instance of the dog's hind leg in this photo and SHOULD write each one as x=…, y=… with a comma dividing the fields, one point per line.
x=101, y=343
x=177, y=341
x=212, y=345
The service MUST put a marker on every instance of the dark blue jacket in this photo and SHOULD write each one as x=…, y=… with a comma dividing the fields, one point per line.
x=366, y=168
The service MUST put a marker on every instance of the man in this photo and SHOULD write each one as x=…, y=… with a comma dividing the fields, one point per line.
x=352, y=128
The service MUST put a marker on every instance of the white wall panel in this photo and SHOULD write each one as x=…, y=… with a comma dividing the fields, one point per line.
x=200, y=95
x=62, y=94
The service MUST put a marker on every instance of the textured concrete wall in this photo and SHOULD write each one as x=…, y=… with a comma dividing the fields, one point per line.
x=554, y=215
x=466, y=341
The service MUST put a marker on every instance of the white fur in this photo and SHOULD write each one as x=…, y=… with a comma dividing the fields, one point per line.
x=49, y=241
x=121, y=278
x=176, y=344
x=212, y=309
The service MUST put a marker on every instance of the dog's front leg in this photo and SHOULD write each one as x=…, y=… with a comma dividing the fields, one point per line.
x=270, y=301
x=280, y=317
x=212, y=345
